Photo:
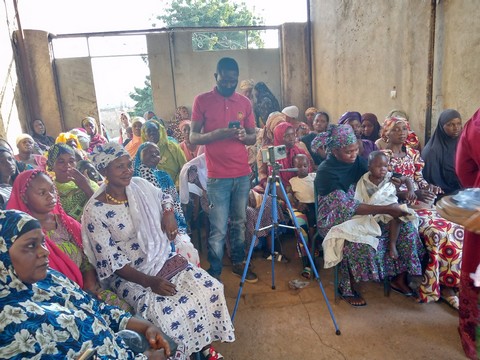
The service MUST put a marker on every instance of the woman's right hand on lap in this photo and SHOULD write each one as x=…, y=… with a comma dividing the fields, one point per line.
x=395, y=210
x=425, y=195
x=162, y=287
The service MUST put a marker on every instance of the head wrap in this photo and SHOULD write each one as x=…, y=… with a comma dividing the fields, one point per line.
x=349, y=116
x=291, y=111
x=439, y=155
x=43, y=141
x=90, y=119
x=103, y=155
x=372, y=118
x=279, y=132
x=65, y=137
x=390, y=122
x=247, y=84
x=58, y=259
x=274, y=119
x=23, y=137
x=138, y=119
x=336, y=136
x=311, y=110
x=55, y=151
x=82, y=137
x=398, y=114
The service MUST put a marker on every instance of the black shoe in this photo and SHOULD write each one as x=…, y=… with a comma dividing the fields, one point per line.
x=251, y=277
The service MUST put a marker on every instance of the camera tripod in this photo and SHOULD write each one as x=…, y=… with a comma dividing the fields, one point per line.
x=271, y=191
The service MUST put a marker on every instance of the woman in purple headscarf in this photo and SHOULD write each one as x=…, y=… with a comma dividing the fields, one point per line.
x=354, y=119
x=335, y=184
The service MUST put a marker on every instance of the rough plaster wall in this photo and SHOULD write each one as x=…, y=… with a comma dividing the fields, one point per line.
x=295, y=67
x=362, y=49
x=39, y=59
x=11, y=104
x=457, y=54
x=193, y=71
x=77, y=90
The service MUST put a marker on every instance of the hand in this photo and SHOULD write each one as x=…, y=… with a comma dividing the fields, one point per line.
x=155, y=354
x=411, y=196
x=395, y=211
x=77, y=177
x=396, y=181
x=425, y=195
x=155, y=338
x=435, y=189
x=169, y=225
x=162, y=286
x=241, y=134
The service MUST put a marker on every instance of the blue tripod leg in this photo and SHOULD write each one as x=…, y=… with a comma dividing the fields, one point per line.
x=310, y=259
x=250, y=251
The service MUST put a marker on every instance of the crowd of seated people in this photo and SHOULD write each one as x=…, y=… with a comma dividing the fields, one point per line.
x=91, y=198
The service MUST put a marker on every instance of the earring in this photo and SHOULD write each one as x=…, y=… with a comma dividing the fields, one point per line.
x=105, y=181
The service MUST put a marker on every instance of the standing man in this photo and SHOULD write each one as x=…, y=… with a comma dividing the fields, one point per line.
x=228, y=124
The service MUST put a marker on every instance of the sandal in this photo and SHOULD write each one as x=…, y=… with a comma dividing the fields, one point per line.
x=278, y=257
x=355, y=300
x=211, y=354
x=451, y=300
x=307, y=273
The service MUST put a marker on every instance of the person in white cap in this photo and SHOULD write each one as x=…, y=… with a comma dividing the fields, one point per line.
x=291, y=115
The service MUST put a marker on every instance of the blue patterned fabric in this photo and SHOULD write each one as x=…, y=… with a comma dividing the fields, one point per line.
x=52, y=318
x=162, y=180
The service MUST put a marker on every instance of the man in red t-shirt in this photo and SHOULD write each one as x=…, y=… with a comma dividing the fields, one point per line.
x=228, y=124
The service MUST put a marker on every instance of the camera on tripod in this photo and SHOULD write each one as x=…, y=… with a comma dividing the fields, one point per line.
x=274, y=153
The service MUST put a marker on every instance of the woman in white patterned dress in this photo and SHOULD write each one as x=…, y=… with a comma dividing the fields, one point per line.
x=128, y=226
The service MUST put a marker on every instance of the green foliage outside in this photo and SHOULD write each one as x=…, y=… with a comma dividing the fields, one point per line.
x=204, y=13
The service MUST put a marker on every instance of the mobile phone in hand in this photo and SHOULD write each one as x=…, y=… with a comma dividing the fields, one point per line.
x=396, y=175
x=234, y=124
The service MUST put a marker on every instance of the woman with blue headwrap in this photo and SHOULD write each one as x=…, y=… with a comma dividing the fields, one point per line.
x=335, y=185
x=44, y=314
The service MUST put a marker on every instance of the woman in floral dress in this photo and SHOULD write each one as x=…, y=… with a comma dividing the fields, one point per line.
x=335, y=185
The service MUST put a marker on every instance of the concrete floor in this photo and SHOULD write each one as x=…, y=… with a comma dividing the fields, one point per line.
x=295, y=324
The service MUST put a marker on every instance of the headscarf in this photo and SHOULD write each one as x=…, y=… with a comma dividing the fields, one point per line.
x=173, y=157
x=333, y=174
x=349, y=116
x=97, y=138
x=162, y=180
x=247, y=84
x=55, y=151
x=372, y=118
x=43, y=140
x=439, y=155
x=23, y=137
x=64, y=137
x=311, y=110
x=274, y=119
x=104, y=154
x=286, y=163
x=336, y=136
x=82, y=137
x=51, y=318
x=58, y=259
x=265, y=103
x=412, y=139
x=136, y=141
x=189, y=154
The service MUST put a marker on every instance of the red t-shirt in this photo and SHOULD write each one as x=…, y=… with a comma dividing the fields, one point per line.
x=225, y=158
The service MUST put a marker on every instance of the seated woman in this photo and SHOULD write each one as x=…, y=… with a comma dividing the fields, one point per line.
x=443, y=239
x=72, y=141
x=188, y=148
x=335, y=184
x=128, y=226
x=411, y=139
x=145, y=166
x=354, y=119
x=136, y=141
x=181, y=115
x=26, y=153
x=74, y=189
x=320, y=124
x=39, y=135
x=35, y=194
x=45, y=315
x=8, y=170
x=173, y=157
x=96, y=138
x=439, y=152
x=370, y=127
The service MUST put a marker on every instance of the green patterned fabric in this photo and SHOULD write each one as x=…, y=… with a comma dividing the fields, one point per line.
x=73, y=199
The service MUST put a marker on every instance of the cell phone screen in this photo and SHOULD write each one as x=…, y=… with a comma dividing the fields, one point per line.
x=234, y=125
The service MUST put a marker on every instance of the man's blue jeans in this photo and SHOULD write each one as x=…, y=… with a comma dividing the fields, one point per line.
x=228, y=199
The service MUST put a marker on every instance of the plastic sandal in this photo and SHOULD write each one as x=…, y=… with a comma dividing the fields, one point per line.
x=451, y=300
x=211, y=354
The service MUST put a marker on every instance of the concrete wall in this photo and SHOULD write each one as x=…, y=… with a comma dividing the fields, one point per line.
x=178, y=73
x=457, y=54
x=363, y=49
x=11, y=103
